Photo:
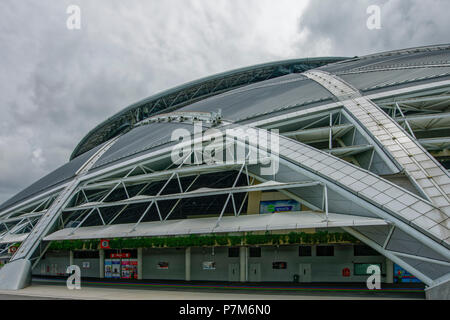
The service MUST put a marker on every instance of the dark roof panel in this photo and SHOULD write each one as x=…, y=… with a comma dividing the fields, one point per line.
x=263, y=97
x=139, y=141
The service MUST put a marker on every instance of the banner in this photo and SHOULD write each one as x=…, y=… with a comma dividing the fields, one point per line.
x=108, y=268
x=162, y=265
x=278, y=206
x=209, y=265
x=120, y=255
x=115, y=268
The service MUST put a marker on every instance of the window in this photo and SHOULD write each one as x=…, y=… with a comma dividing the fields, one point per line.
x=325, y=251
x=304, y=251
x=363, y=250
x=85, y=254
x=255, y=252
x=360, y=269
x=233, y=252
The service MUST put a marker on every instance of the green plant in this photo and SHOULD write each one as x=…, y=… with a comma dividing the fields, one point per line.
x=208, y=240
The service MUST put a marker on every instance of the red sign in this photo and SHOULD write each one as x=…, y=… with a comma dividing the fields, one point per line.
x=279, y=265
x=346, y=272
x=104, y=244
x=120, y=255
x=12, y=249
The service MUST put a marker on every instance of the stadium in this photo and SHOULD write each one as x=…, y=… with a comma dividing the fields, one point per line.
x=354, y=173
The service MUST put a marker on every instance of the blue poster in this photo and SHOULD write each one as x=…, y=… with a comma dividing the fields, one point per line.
x=108, y=268
x=403, y=276
x=278, y=206
x=115, y=268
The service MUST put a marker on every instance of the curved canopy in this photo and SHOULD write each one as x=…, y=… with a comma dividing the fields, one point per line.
x=188, y=93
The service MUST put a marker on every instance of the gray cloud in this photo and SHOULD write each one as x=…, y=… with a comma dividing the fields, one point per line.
x=57, y=84
x=339, y=27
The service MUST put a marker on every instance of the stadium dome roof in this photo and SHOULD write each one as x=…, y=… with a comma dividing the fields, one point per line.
x=363, y=143
x=193, y=91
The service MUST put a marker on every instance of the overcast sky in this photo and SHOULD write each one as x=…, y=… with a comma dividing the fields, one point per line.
x=56, y=84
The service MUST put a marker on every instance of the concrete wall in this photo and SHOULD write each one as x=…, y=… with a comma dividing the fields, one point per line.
x=323, y=269
x=94, y=267
x=59, y=261
x=439, y=292
x=175, y=258
x=46, y=266
x=199, y=255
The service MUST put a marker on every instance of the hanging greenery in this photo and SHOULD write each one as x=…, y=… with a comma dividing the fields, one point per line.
x=209, y=241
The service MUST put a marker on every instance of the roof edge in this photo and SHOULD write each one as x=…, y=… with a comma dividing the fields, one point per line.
x=325, y=60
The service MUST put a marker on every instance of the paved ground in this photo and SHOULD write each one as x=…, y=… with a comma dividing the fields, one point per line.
x=24, y=297
x=89, y=293
x=56, y=289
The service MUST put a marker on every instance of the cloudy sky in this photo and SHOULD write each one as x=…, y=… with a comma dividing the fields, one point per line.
x=56, y=84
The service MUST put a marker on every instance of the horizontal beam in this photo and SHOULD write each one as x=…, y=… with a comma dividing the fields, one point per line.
x=425, y=121
x=416, y=100
x=297, y=220
x=24, y=216
x=434, y=144
x=319, y=134
x=202, y=192
x=161, y=175
x=349, y=151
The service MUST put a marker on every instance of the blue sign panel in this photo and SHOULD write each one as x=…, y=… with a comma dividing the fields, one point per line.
x=403, y=276
x=278, y=206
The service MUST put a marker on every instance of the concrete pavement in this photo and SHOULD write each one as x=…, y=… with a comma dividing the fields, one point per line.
x=44, y=290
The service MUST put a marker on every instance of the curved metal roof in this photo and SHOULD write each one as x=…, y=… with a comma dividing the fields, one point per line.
x=190, y=92
x=317, y=174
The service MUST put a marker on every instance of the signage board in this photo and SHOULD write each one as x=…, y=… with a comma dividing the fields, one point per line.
x=162, y=265
x=209, y=265
x=278, y=206
x=120, y=255
x=279, y=265
x=104, y=244
x=108, y=268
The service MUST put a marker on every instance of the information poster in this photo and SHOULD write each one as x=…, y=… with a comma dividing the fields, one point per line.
x=403, y=276
x=162, y=265
x=129, y=268
x=133, y=268
x=121, y=266
x=279, y=265
x=115, y=268
x=108, y=268
x=209, y=265
x=278, y=206
x=124, y=266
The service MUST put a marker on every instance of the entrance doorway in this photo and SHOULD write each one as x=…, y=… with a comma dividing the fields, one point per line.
x=233, y=272
x=305, y=272
x=254, y=274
